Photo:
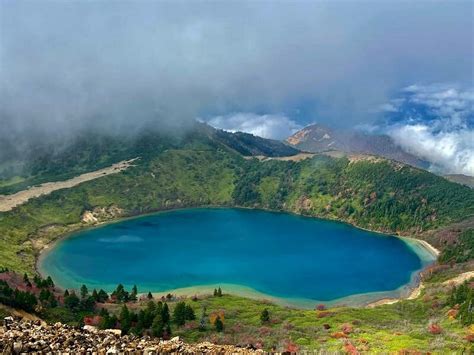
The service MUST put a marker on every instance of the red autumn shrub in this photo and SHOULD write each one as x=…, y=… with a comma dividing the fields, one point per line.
x=323, y=314
x=350, y=348
x=469, y=338
x=338, y=335
x=346, y=328
x=435, y=328
x=320, y=307
x=291, y=347
x=452, y=313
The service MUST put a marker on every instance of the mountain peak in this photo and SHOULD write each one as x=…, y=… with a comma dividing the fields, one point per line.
x=317, y=138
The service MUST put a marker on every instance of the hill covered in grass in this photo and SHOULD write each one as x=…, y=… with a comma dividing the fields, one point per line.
x=203, y=169
x=89, y=151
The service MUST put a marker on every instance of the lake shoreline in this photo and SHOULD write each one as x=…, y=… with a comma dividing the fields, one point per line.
x=362, y=300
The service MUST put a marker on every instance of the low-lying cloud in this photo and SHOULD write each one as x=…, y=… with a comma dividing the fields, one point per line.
x=266, y=126
x=443, y=132
x=119, y=66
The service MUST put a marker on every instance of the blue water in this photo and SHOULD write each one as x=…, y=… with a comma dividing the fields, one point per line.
x=278, y=254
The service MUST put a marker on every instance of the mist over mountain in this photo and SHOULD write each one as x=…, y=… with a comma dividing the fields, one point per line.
x=68, y=67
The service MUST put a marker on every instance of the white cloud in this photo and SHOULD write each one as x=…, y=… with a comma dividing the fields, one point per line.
x=446, y=138
x=390, y=107
x=452, y=152
x=266, y=126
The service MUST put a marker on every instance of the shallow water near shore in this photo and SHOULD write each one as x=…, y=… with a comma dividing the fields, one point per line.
x=288, y=259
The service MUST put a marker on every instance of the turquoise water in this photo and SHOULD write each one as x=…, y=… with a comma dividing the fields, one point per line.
x=280, y=255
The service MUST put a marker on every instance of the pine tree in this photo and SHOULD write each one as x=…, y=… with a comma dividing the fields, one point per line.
x=95, y=295
x=179, y=314
x=149, y=296
x=66, y=293
x=189, y=313
x=84, y=291
x=49, y=282
x=125, y=319
x=71, y=301
x=133, y=295
x=219, y=292
x=218, y=324
x=52, y=301
x=102, y=296
x=158, y=326
x=265, y=316
x=166, y=313
x=215, y=292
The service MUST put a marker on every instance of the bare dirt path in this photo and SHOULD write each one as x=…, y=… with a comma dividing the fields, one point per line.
x=415, y=293
x=455, y=281
x=8, y=202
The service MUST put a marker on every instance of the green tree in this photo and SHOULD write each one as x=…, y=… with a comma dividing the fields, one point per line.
x=219, y=292
x=102, y=296
x=218, y=324
x=165, y=313
x=179, y=314
x=265, y=316
x=158, y=326
x=133, y=294
x=49, y=282
x=189, y=312
x=95, y=295
x=125, y=319
x=71, y=301
x=84, y=291
x=149, y=296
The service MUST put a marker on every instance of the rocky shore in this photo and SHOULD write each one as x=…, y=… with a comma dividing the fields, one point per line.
x=17, y=336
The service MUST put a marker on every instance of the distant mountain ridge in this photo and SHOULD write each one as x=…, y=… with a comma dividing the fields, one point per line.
x=461, y=179
x=318, y=138
x=91, y=151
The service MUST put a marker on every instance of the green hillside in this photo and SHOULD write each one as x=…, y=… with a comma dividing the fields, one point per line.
x=203, y=171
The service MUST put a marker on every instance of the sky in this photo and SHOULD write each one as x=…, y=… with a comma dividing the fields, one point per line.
x=264, y=67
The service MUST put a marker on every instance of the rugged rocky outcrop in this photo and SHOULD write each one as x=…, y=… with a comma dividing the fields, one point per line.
x=26, y=336
x=317, y=138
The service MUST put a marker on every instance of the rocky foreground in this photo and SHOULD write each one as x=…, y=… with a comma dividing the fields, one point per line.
x=32, y=336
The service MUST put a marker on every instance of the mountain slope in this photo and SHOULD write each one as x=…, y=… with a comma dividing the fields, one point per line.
x=371, y=193
x=91, y=151
x=317, y=138
x=461, y=179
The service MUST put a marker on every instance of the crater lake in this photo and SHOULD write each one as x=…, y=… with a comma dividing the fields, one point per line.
x=290, y=259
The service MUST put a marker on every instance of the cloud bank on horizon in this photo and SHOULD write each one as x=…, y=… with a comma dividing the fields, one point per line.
x=435, y=122
x=272, y=126
x=66, y=66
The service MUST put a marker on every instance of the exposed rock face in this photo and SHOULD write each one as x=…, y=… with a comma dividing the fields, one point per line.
x=317, y=138
x=88, y=217
x=101, y=214
x=26, y=336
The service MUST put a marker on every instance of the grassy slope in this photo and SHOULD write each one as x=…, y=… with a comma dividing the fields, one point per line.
x=380, y=195
x=395, y=327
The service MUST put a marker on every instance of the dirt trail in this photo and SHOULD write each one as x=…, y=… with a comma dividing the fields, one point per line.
x=415, y=293
x=455, y=281
x=8, y=202
x=297, y=157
